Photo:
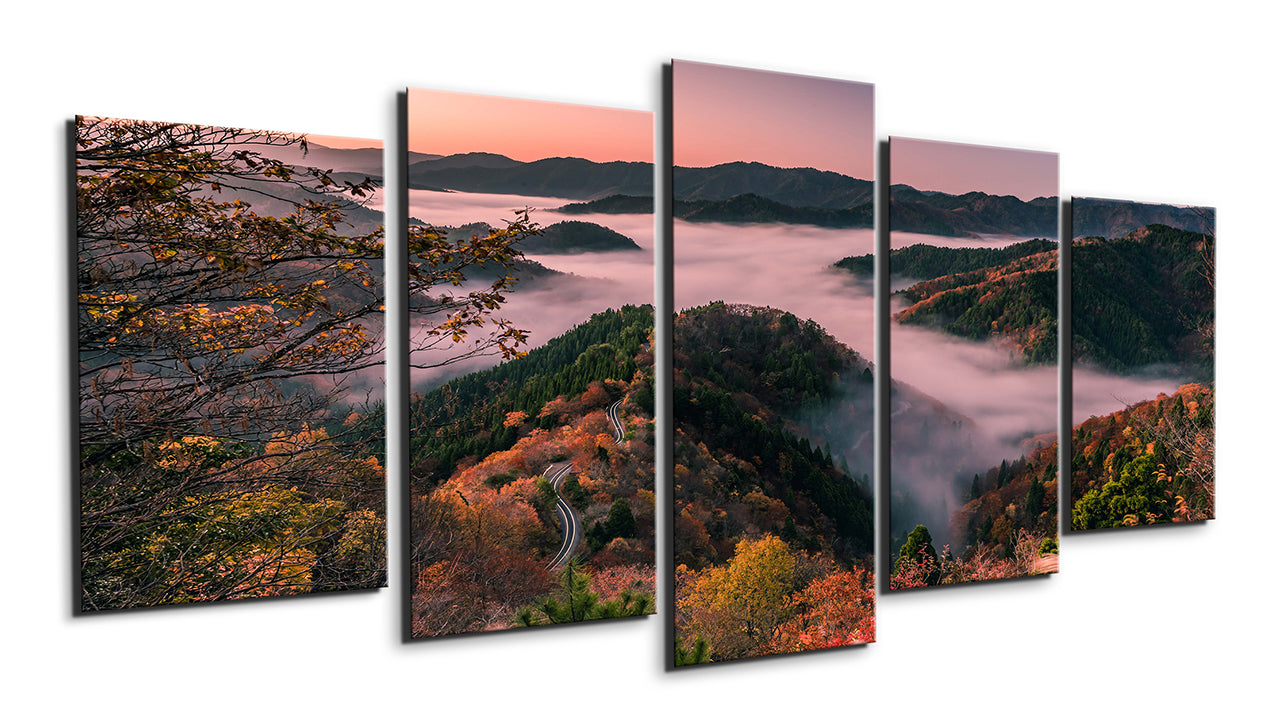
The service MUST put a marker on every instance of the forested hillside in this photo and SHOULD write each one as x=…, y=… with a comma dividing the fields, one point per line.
x=1010, y=293
x=483, y=513
x=972, y=213
x=772, y=536
x=1144, y=298
x=1149, y=463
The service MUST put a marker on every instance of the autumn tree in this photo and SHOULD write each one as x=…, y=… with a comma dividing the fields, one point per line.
x=918, y=551
x=226, y=299
x=737, y=607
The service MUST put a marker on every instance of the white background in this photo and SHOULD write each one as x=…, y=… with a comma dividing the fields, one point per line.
x=1176, y=103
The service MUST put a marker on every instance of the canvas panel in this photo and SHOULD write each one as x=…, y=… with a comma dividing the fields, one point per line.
x=773, y=436
x=230, y=329
x=973, y=316
x=1142, y=314
x=531, y=278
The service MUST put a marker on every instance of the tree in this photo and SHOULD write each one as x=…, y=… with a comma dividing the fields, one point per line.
x=226, y=300
x=577, y=602
x=737, y=607
x=918, y=553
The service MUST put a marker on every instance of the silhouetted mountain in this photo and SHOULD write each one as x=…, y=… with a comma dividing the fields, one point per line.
x=576, y=236
x=978, y=293
x=972, y=213
x=1114, y=218
x=748, y=208
x=611, y=205
x=573, y=178
x=465, y=160
x=797, y=187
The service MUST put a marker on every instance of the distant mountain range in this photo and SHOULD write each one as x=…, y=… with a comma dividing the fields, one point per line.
x=572, y=178
x=1144, y=298
x=973, y=213
x=979, y=293
x=1096, y=217
x=746, y=208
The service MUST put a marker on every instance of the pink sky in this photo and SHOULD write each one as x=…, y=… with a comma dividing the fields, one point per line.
x=343, y=143
x=448, y=123
x=956, y=169
x=726, y=114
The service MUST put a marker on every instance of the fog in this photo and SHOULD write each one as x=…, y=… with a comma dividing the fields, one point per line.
x=596, y=281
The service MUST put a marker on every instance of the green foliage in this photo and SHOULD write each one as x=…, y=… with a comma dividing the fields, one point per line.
x=1143, y=299
x=918, y=550
x=467, y=416
x=696, y=655
x=926, y=262
x=1136, y=493
x=1049, y=546
x=577, y=602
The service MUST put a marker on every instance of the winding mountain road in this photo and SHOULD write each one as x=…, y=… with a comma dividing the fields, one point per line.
x=618, y=430
x=568, y=517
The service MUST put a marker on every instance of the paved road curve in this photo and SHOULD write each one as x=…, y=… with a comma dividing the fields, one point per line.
x=618, y=430
x=568, y=517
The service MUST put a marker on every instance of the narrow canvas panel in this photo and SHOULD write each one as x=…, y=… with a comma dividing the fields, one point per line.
x=772, y=340
x=531, y=279
x=973, y=339
x=230, y=320
x=1142, y=326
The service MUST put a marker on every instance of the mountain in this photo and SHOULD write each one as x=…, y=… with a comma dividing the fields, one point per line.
x=1144, y=298
x=611, y=205
x=483, y=512
x=1028, y=484
x=529, y=274
x=365, y=161
x=576, y=236
x=572, y=178
x=972, y=213
x=744, y=377
x=1009, y=293
x=796, y=187
x=466, y=160
x=1152, y=462
x=1115, y=218
x=746, y=208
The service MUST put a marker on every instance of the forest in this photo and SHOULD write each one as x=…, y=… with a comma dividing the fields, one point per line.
x=1146, y=464
x=226, y=303
x=1146, y=298
x=483, y=525
x=773, y=536
x=1008, y=293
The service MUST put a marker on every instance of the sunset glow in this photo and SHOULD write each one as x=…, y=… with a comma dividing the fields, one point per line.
x=727, y=114
x=448, y=123
x=956, y=169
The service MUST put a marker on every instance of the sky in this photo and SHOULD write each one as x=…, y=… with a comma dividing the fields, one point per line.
x=956, y=169
x=449, y=123
x=343, y=143
x=725, y=114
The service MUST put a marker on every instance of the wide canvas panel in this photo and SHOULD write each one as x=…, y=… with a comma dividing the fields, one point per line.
x=230, y=328
x=973, y=341
x=531, y=363
x=773, y=388
x=1142, y=326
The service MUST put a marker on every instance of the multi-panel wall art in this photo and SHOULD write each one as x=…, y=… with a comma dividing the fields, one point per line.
x=973, y=399
x=531, y=363
x=773, y=388
x=1142, y=322
x=230, y=320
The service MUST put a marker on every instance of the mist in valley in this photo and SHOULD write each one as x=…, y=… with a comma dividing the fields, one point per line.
x=589, y=283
